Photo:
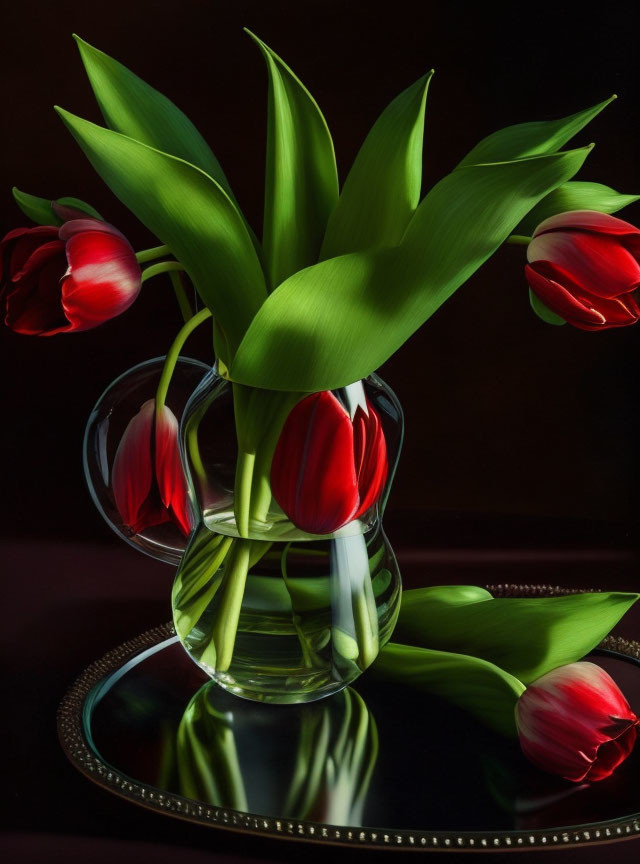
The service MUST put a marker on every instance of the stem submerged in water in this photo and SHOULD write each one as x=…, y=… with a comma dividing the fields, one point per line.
x=227, y=613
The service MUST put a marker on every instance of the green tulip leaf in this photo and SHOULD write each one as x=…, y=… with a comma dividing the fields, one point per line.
x=315, y=330
x=543, y=311
x=189, y=212
x=301, y=187
x=135, y=109
x=531, y=139
x=482, y=688
x=526, y=636
x=576, y=195
x=39, y=209
x=382, y=189
x=130, y=106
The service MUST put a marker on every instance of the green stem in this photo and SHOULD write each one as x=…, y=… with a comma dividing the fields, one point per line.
x=366, y=624
x=173, y=354
x=307, y=653
x=227, y=613
x=151, y=254
x=181, y=296
x=244, y=477
x=518, y=240
x=160, y=267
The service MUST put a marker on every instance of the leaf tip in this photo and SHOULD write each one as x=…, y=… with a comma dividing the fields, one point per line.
x=66, y=116
x=80, y=42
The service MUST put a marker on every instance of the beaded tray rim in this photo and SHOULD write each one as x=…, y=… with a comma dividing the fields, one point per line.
x=84, y=758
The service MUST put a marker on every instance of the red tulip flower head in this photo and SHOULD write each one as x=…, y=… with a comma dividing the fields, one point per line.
x=56, y=280
x=147, y=479
x=575, y=722
x=328, y=469
x=585, y=266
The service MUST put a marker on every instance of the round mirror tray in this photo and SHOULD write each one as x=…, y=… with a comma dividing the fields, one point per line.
x=372, y=766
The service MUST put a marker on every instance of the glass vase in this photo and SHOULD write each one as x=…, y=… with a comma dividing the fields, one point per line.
x=288, y=586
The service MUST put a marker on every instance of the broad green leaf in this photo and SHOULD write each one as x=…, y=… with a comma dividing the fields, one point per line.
x=526, y=636
x=190, y=213
x=301, y=187
x=531, y=139
x=339, y=320
x=39, y=209
x=132, y=107
x=382, y=189
x=543, y=311
x=576, y=195
x=135, y=109
x=483, y=689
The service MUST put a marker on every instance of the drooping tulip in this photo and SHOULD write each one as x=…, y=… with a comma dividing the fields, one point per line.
x=147, y=478
x=59, y=280
x=585, y=266
x=328, y=469
x=575, y=722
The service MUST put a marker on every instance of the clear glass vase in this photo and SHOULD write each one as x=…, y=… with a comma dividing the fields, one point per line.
x=288, y=586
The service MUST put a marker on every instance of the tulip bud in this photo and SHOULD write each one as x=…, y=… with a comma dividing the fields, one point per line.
x=328, y=469
x=56, y=280
x=584, y=266
x=148, y=482
x=575, y=722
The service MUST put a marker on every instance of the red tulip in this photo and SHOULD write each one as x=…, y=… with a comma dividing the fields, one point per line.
x=327, y=469
x=148, y=482
x=585, y=266
x=55, y=280
x=575, y=722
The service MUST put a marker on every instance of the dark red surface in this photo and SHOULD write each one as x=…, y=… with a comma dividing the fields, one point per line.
x=67, y=604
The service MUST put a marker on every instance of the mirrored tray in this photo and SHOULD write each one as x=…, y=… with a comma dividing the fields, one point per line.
x=373, y=766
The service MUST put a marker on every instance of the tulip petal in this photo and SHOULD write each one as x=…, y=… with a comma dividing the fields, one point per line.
x=132, y=474
x=21, y=242
x=555, y=289
x=103, y=278
x=587, y=220
x=313, y=473
x=569, y=719
x=38, y=258
x=172, y=483
x=370, y=450
x=84, y=224
x=612, y=753
x=32, y=306
x=600, y=265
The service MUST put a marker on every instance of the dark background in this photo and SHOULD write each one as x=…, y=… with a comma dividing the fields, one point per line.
x=521, y=454
x=527, y=430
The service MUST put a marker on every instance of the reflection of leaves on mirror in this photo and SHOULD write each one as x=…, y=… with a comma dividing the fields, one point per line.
x=334, y=763
x=208, y=766
x=330, y=766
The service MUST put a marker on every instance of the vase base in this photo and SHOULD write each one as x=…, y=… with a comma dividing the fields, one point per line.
x=257, y=690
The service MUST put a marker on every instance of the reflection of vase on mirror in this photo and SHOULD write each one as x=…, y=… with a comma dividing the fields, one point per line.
x=325, y=777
